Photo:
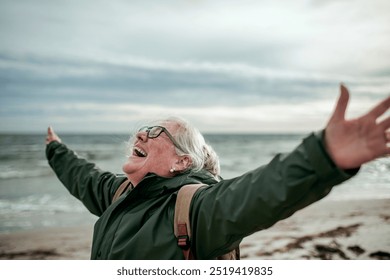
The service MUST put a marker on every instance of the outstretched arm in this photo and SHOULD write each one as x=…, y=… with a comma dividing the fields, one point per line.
x=291, y=181
x=84, y=180
x=351, y=143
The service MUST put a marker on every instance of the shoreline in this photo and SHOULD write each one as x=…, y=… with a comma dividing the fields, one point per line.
x=328, y=229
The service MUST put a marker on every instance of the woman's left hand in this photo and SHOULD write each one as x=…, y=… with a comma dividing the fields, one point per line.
x=352, y=143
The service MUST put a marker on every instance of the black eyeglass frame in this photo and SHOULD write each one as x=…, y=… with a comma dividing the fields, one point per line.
x=148, y=129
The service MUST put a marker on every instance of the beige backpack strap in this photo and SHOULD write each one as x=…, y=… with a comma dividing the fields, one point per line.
x=121, y=190
x=182, y=226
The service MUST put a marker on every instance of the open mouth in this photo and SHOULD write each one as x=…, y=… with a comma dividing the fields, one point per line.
x=139, y=152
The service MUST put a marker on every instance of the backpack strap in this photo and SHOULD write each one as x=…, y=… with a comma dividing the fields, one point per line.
x=182, y=226
x=121, y=190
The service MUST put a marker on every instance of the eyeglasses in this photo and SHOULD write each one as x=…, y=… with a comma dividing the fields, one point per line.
x=155, y=131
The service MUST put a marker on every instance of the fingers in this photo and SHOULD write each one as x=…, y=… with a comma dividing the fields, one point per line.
x=341, y=106
x=51, y=136
x=387, y=152
x=50, y=131
x=385, y=124
x=379, y=109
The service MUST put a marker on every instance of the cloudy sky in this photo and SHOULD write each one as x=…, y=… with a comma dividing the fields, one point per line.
x=227, y=66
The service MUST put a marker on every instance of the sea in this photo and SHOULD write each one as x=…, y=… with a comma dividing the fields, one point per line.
x=31, y=196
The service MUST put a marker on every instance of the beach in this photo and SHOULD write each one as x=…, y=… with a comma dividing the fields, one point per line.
x=328, y=229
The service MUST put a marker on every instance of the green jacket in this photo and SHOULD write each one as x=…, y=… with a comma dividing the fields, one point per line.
x=139, y=225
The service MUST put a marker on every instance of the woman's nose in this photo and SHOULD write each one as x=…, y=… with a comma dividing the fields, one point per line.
x=142, y=136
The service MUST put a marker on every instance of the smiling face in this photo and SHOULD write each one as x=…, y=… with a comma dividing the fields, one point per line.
x=152, y=155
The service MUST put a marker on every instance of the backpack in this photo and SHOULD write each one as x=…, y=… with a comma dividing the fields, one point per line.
x=182, y=223
x=182, y=228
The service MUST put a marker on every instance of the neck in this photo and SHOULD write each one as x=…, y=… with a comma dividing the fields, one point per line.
x=135, y=180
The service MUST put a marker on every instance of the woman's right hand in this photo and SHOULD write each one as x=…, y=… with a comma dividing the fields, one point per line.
x=52, y=136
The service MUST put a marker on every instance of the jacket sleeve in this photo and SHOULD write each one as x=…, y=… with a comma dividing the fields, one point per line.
x=84, y=180
x=223, y=214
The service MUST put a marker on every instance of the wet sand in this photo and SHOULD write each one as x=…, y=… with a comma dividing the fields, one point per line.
x=325, y=230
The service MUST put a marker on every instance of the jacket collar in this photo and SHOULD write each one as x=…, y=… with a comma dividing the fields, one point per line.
x=153, y=185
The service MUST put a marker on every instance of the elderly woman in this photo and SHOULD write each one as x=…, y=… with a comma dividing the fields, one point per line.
x=167, y=156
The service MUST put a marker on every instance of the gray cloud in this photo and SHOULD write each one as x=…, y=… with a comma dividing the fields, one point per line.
x=95, y=62
x=141, y=83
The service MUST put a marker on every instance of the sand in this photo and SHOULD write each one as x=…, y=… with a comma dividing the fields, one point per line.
x=325, y=230
x=71, y=243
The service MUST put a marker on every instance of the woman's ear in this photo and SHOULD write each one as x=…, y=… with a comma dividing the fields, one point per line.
x=183, y=163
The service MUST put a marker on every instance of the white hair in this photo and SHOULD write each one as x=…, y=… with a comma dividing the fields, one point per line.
x=192, y=143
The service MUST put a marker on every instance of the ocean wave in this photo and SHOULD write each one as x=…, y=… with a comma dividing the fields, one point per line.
x=47, y=203
x=17, y=173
